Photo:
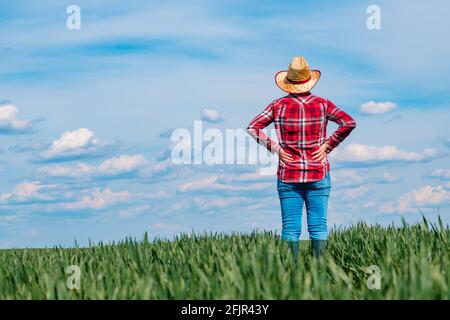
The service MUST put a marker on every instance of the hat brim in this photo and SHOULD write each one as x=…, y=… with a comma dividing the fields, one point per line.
x=284, y=84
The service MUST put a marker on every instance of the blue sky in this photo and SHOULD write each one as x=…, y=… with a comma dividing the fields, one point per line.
x=81, y=115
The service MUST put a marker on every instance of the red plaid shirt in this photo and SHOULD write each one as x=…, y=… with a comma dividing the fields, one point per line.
x=301, y=125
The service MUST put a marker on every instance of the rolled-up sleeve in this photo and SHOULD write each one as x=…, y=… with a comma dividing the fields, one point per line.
x=261, y=121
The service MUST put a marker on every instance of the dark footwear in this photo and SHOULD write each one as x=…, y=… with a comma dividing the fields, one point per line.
x=294, y=248
x=318, y=247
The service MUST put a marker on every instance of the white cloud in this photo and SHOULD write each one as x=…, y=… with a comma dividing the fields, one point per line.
x=72, y=145
x=425, y=197
x=134, y=211
x=177, y=206
x=443, y=174
x=376, y=108
x=166, y=133
x=77, y=171
x=161, y=225
x=351, y=194
x=369, y=204
x=169, y=229
x=221, y=203
x=98, y=199
x=26, y=192
x=10, y=123
x=8, y=218
x=250, y=177
x=156, y=195
x=211, y=115
x=198, y=184
x=123, y=166
x=213, y=184
x=353, y=177
x=388, y=177
x=373, y=155
x=347, y=178
x=40, y=197
x=163, y=168
x=73, y=140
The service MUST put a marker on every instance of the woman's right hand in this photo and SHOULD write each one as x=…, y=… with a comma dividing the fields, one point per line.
x=284, y=156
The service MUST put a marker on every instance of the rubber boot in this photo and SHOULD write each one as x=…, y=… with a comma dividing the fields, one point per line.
x=318, y=247
x=294, y=248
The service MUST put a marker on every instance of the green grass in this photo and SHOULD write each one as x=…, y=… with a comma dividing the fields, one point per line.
x=414, y=261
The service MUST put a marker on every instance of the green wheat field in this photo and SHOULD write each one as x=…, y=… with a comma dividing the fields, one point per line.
x=413, y=261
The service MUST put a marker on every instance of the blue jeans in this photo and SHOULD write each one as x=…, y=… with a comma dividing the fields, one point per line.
x=315, y=196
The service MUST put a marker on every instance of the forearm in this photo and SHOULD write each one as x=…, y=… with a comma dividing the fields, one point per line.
x=339, y=135
x=262, y=139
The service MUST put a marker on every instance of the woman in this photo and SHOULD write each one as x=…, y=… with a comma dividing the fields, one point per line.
x=300, y=120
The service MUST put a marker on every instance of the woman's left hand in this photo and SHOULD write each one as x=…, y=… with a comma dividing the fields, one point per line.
x=321, y=153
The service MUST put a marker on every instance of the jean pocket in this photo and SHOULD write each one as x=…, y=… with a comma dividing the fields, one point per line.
x=322, y=184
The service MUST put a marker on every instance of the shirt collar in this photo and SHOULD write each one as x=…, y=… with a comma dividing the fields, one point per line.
x=304, y=94
x=303, y=97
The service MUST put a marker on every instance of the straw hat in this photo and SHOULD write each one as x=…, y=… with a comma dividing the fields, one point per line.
x=298, y=78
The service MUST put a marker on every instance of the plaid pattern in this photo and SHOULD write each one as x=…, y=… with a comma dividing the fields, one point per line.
x=301, y=125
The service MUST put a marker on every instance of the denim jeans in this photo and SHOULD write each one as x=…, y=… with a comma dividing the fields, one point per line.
x=315, y=196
